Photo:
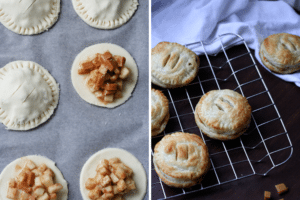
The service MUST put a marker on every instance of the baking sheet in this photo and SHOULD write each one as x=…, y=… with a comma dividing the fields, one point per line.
x=77, y=129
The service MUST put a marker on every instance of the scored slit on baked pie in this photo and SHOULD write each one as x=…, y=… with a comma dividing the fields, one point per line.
x=28, y=17
x=105, y=14
x=97, y=82
x=29, y=95
x=223, y=114
x=173, y=65
x=32, y=177
x=92, y=176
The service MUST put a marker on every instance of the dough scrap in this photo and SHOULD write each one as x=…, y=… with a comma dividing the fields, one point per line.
x=139, y=174
x=28, y=17
x=29, y=95
x=9, y=172
x=105, y=14
x=78, y=81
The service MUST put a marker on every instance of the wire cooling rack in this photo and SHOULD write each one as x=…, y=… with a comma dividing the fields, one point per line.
x=264, y=146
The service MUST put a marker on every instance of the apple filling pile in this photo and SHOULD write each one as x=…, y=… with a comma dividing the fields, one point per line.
x=106, y=73
x=112, y=181
x=33, y=183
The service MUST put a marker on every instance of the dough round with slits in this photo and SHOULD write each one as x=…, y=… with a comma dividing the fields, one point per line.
x=105, y=14
x=281, y=53
x=28, y=17
x=173, y=65
x=28, y=95
x=181, y=159
x=159, y=112
x=223, y=114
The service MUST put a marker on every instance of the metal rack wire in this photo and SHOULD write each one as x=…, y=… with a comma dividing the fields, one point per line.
x=264, y=146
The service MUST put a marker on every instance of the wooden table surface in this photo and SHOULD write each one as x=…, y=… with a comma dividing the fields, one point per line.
x=286, y=97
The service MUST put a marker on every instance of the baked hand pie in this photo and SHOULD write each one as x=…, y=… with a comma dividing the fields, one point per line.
x=29, y=95
x=181, y=159
x=223, y=114
x=28, y=17
x=105, y=14
x=281, y=53
x=173, y=65
x=159, y=112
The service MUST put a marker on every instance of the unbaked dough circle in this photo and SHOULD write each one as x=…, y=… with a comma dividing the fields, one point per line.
x=9, y=172
x=105, y=14
x=28, y=95
x=28, y=17
x=78, y=81
x=139, y=174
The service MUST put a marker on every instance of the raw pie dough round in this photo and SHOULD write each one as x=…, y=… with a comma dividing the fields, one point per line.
x=78, y=81
x=139, y=174
x=105, y=14
x=28, y=95
x=9, y=172
x=28, y=17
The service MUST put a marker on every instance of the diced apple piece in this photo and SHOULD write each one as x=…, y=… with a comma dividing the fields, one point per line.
x=124, y=73
x=121, y=185
x=108, y=189
x=30, y=179
x=21, y=177
x=90, y=183
x=37, y=172
x=23, y=186
x=47, y=180
x=111, y=86
x=120, y=84
x=39, y=191
x=105, y=181
x=109, y=98
x=117, y=71
x=107, y=196
x=114, y=77
x=118, y=94
x=114, y=178
x=12, y=183
x=86, y=67
x=49, y=172
x=24, y=196
x=37, y=182
x=130, y=184
x=53, y=196
x=103, y=69
x=55, y=188
x=95, y=193
x=120, y=60
x=44, y=197
x=30, y=164
x=12, y=193
x=103, y=171
x=95, y=80
x=42, y=167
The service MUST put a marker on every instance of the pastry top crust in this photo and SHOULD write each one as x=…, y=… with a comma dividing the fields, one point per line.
x=29, y=95
x=105, y=14
x=281, y=52
x=173, y=65
x=224, y=110
x=29, y=17
x=182, y=156
x=159, y=108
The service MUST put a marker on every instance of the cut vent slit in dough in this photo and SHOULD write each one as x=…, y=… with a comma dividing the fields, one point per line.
x=227, y=101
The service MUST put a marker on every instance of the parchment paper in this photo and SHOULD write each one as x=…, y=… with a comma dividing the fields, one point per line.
x=77, y=129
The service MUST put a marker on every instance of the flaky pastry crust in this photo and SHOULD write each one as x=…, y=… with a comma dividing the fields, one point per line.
x=223, y=114
x=181, y=159
x=159, y=112
x=173, y=65
x=281, y=53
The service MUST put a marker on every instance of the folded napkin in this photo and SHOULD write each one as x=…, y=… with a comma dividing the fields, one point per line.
x=191, y=21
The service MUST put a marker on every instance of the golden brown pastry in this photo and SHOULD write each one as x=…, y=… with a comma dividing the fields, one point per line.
x=159, y=112
x=223, y=114
x=281, y=53
x=181, y=159
x=173, y=65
